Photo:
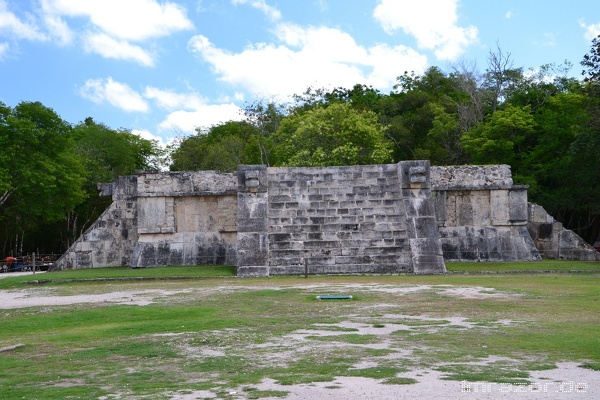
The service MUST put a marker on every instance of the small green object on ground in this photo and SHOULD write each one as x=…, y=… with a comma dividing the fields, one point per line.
x=335, y=297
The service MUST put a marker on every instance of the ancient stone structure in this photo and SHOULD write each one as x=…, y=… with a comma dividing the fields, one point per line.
x=112, y=238
x=481, y=215
x=365, y=219
x=555, y=242
x=392, y=218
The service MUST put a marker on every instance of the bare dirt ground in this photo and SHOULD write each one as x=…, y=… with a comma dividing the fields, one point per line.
x=567, y=381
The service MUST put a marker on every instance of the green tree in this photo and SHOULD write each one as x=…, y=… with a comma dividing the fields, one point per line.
x=222, y=148
x=444, y=137
x=44, y=175
x=587, y=146
x=106, y=154
x=422, y=117
x=333, y=135
x=265, y=117
x=361, y=97
x=505, y=138
x=591, y=63
x=109, y=153
x=6, y=188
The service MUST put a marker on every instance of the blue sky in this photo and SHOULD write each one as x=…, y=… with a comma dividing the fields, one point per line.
x=162, y=68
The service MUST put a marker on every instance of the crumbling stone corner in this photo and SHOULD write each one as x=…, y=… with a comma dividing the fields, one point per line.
x=419, y=209
x=252, y=235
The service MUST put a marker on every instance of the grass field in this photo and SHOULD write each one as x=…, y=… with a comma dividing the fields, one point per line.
x=205, y=330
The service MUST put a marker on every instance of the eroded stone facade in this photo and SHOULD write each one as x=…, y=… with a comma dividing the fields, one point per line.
x=393, y=218
x=481, y=215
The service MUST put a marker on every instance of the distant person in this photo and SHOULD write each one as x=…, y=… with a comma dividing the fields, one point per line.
x=10, y=262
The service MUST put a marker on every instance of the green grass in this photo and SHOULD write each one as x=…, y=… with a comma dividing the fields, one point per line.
x=224, y=335
x=124, y=273
x=544, y=265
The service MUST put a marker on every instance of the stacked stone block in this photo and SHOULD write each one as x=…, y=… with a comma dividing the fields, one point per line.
x=336, y=220
x=419, y=210
x=395, y=218
x=481, y=215
x=111, y=239
x=553, y=241
x=252, y=236
x=186, y=218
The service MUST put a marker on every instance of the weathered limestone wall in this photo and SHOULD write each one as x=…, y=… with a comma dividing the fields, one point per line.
x=186, y=218
x=480, y=214
x=336, y=220
x=553, y=241
x=405, y=217
x=169, y=218
x=110, y=241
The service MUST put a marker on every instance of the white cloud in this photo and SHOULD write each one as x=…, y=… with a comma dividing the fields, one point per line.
x=125, y=19
x=116, y=25
x=58, y=29
x=109, y=47
x=188, y=110
x=508, y=15
x=305, y=57
x=206, y=116
x=273, y=13
x=15, y=28
x=433, y=23
x=591, y=31
x=390, y=62
x=117, y=94
x=171, y=101
x=145, y=134
x=4, y=47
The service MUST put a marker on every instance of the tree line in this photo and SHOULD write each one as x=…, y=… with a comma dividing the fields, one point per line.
x=543, y=123
x=49, y=171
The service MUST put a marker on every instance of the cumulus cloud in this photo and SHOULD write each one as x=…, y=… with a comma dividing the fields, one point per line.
x=202, y=118
x=188, y=111
x=110, y=47
x=433, y=23
x=113, y=28
x=115, y=93
x=129, y=20
x=171, y=100
x=145, y=134
x=58, y=29
x=271, y=12
x=115, y=25
x=16, y=28
x=591, y=31
x=305, y=57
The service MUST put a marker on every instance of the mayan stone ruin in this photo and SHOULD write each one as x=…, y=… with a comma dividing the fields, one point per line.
x=408, y=217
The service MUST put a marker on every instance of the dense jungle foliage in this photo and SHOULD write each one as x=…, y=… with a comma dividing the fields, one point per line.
x=542, y=122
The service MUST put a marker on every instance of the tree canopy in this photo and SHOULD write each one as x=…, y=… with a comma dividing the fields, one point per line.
x=49, y=171
x=222, y=148
x=335, y=135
